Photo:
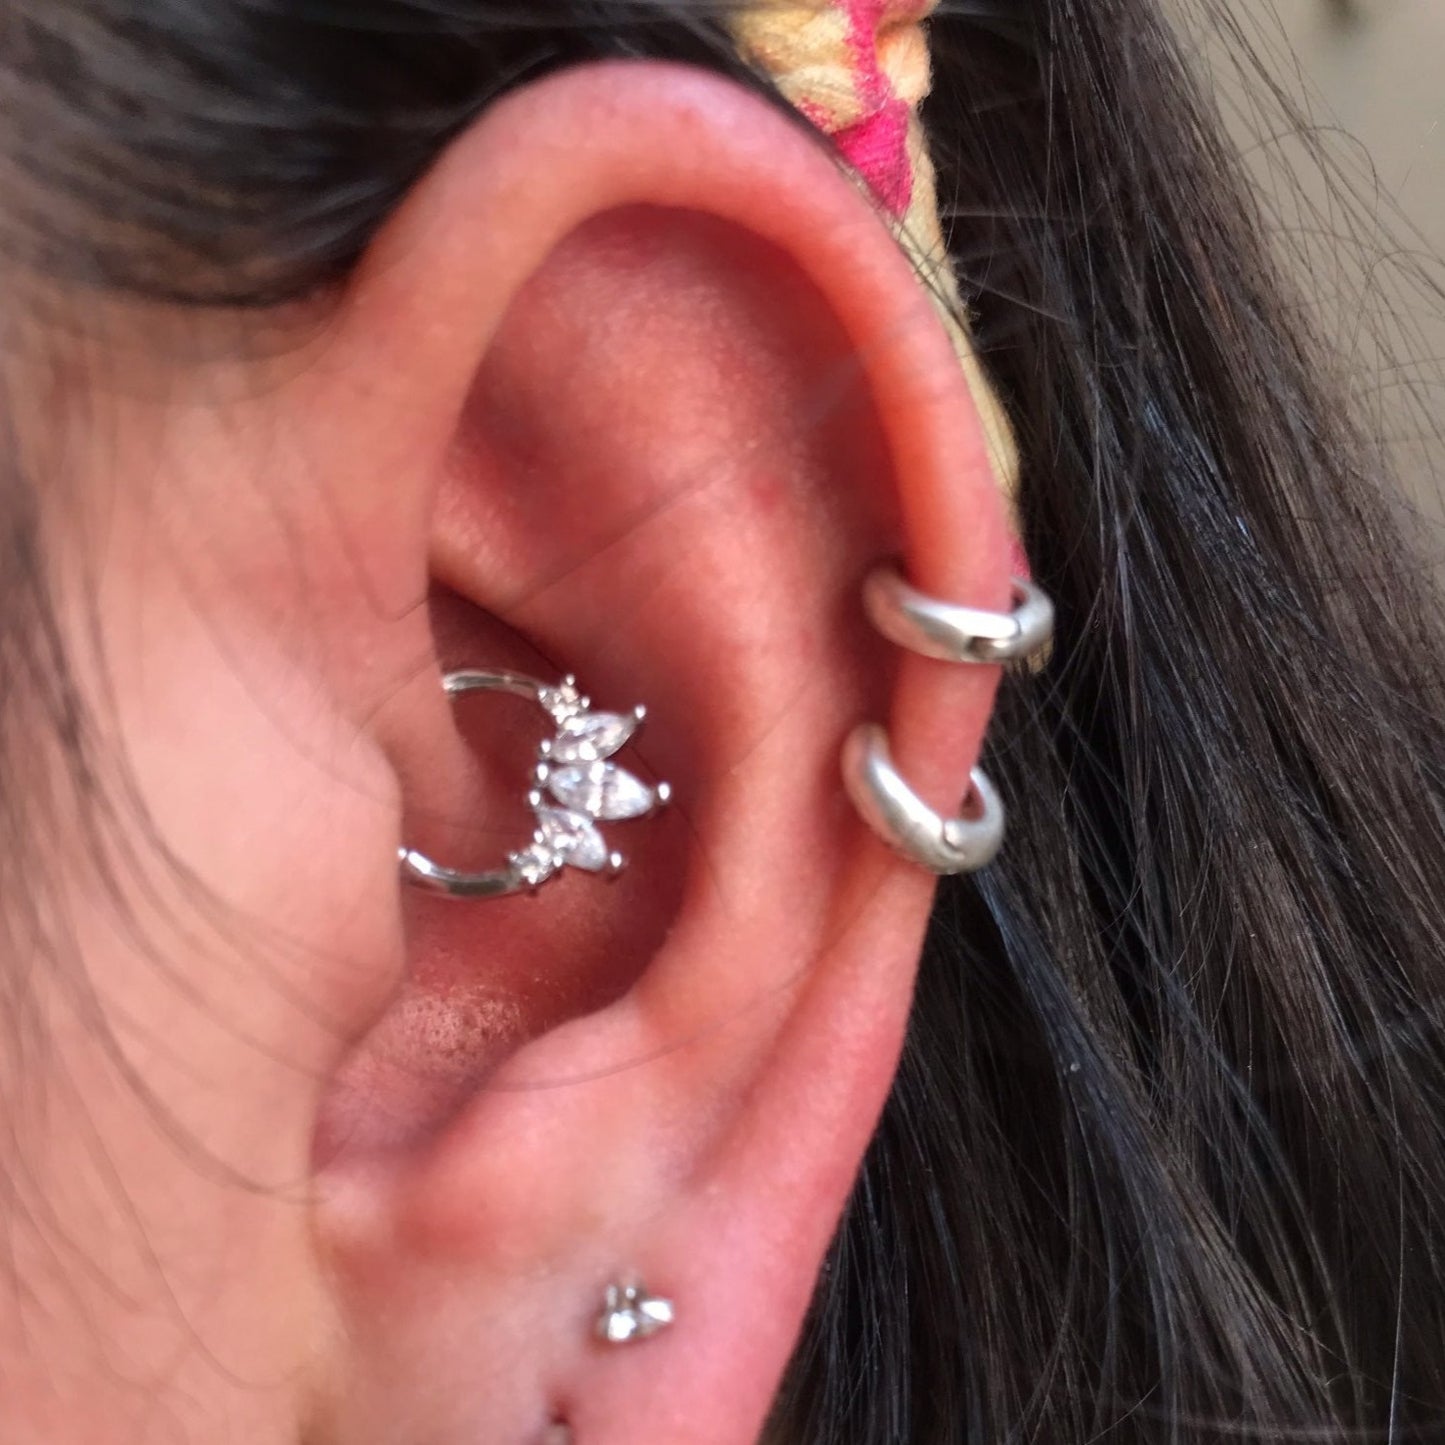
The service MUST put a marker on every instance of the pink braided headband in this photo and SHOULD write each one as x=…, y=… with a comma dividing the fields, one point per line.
x=859, y=70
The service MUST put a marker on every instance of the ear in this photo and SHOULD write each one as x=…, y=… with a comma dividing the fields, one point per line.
x=637, y=385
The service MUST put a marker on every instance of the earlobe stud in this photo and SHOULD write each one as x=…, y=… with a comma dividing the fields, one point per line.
x=631, y=1314
x=575, y=786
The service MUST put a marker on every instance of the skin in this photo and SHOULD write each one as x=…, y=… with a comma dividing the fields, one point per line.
x=313, y=1156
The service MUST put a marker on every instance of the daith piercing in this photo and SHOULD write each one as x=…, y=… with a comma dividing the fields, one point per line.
x=576, y=786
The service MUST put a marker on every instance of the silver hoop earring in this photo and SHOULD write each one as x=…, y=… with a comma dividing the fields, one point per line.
x=575, y=787
x=951, y=633
x=945, y=846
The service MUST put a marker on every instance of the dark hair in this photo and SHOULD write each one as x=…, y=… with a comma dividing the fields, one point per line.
x=1165, y=1160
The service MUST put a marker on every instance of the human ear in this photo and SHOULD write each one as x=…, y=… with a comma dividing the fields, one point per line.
x=636, y=384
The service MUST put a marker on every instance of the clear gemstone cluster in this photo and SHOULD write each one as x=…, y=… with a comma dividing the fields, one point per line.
x=578, y=786
x=633, y=1314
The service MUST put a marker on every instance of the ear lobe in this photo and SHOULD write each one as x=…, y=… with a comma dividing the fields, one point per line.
x=658, y=430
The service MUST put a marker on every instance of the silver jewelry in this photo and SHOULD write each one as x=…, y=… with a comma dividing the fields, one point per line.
x=952, y=633
x=907, y=824
x=575, y=788
x=632, y=1314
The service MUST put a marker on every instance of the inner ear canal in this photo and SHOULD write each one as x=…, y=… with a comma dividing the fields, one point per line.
x=486, y=977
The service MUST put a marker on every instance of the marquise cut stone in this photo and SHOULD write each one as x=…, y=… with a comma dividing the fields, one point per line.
x=621, y=1326
x=575, y=837
x=601, y=790
x=654, y=1315
x=592, y=737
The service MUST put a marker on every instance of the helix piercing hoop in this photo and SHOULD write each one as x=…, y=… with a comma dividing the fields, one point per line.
x=952, y=633
x=907, y=824
x=631, y=1314
x=575, y=787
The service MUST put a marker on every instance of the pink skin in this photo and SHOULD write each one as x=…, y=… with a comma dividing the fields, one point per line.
x=564, y=417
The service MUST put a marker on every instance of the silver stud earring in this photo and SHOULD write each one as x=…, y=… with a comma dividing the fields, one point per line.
x=950, y=633
x=631, y=1314
x=575, y=786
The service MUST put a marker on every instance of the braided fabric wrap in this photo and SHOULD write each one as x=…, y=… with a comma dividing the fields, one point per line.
x=859, y=70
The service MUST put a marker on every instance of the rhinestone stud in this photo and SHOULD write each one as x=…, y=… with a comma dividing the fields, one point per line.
x=631, y=1314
